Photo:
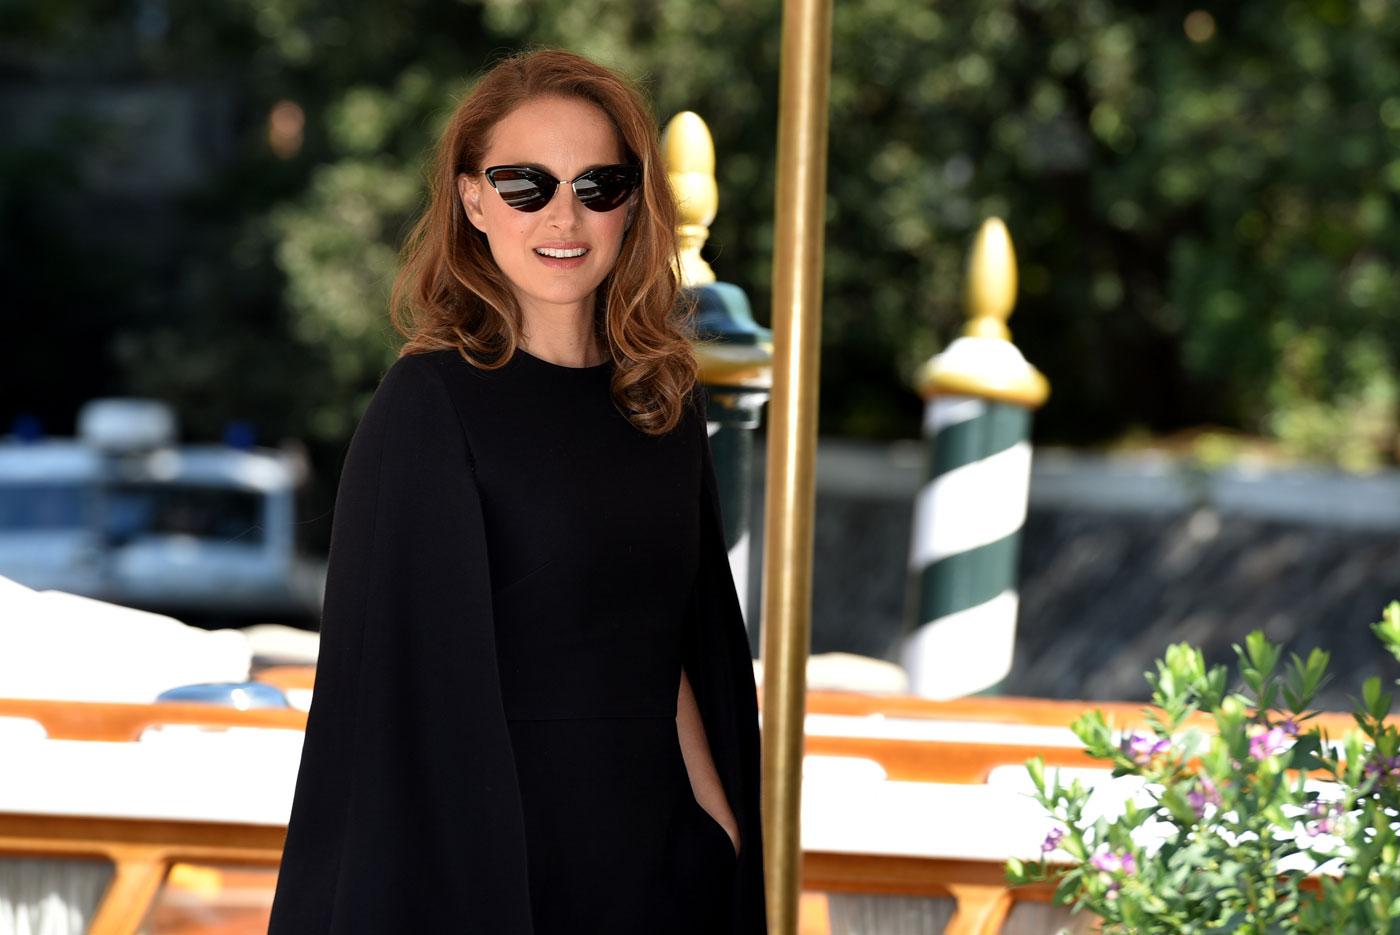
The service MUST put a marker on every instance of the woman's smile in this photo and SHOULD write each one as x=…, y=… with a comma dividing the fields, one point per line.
x=563, y=255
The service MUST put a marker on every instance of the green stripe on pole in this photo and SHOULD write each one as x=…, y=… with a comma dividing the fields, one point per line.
x=968, y=579
x=1000, y=427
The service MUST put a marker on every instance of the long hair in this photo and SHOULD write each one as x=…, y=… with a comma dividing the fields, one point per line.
x=450, y=294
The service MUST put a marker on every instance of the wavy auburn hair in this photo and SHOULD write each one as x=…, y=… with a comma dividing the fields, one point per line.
x=449, y=292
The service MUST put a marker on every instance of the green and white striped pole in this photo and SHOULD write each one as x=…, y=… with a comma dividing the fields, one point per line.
x=979, y=395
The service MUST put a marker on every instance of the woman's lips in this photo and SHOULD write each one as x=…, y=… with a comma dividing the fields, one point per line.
x=554, y=262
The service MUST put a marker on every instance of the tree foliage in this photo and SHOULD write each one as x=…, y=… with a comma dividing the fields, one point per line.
x=1203, y=198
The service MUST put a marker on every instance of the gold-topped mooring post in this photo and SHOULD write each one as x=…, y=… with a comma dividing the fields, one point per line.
x=734, y=352
x=979, y=393
x=690, y=165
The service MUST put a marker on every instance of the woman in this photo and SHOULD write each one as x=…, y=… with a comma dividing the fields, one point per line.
x=534, y=709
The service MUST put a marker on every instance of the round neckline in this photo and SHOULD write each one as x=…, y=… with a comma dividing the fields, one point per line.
x=594, y=368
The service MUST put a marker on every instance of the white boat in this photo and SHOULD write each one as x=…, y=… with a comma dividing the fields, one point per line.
x=124, y=514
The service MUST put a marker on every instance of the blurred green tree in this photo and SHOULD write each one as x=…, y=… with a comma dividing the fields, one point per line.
x=1203, y=196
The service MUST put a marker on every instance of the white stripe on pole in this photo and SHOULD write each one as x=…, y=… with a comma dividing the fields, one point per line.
x=963, y=652
x=947, y=411
x=739, y=565
x=974, y=505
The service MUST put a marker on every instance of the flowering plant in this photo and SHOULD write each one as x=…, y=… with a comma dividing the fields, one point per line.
x=1261, y=824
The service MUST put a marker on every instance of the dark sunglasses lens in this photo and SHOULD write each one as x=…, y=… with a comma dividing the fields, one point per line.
x=523, y=190
x=607, y=188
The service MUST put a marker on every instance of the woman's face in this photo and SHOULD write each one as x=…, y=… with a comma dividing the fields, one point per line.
x=565, y=137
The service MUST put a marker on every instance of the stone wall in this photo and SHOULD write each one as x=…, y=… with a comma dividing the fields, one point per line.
x=1121, y=557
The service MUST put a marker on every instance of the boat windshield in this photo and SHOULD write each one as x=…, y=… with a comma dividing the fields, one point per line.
x=135, y=510
x=34, y=506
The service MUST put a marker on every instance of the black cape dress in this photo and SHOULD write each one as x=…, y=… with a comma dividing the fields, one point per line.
x=491, y=746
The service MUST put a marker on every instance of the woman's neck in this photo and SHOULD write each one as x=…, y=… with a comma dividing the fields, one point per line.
x=567, y=343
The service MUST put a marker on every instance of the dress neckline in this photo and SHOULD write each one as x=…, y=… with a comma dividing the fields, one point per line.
x=540, y=361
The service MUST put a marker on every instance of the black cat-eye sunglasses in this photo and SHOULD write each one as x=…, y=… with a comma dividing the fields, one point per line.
x=602, y=188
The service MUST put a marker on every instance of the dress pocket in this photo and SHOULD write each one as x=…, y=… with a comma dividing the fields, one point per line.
x=716, y=829
x=523, y=578
x=709, y=826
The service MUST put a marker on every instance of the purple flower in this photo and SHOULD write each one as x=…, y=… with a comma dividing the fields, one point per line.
x=1052, y=840
x=1141, y=748
x=1289, y=726
x=1113, y=866
x=1267, y=743
x=1387, y=768
x=1204, y=793
x=1105, y=860
x=1109, y=861
x=1324, y=815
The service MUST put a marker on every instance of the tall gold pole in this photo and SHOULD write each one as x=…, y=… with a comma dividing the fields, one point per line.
x=800, y=219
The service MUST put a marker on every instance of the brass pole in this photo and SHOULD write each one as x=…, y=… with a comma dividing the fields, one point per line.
x=800, y=219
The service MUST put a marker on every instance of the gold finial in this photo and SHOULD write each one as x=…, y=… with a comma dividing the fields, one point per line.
x=690, y=164
x=991, y=282
x=983, y=363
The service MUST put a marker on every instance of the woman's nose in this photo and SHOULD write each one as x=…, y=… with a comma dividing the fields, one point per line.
x=563, y=209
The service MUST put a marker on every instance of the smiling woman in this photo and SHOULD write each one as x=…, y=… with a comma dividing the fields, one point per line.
x=554, y=251
x=477, y=276
x=534, y=709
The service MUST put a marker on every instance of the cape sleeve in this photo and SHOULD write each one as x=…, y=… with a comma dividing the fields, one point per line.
x=406, y=815
x=720, y=668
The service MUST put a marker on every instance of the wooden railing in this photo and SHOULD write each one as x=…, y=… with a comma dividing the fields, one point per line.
x=112, y=721
x=143, y=851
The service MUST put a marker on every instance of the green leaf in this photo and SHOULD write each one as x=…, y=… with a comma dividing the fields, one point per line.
x=1388, y=629
x=1175, y=802
x=1377, y=701
x=1303, y=754
x=1263, y=655
x=1035, y=766
x=1316, y=672
x=1067, y=889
